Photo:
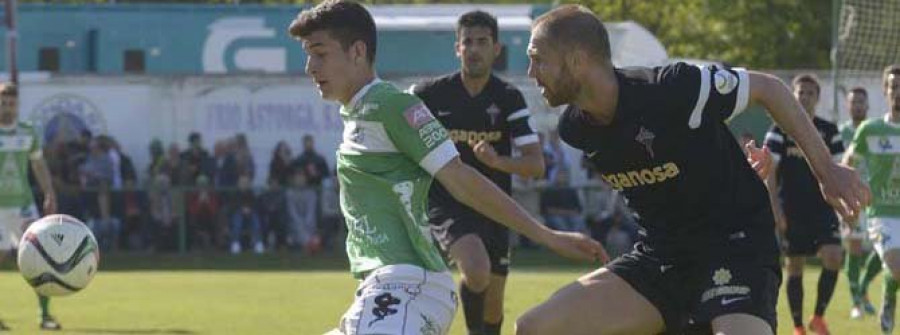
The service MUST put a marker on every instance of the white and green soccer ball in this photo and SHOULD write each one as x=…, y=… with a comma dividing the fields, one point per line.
x=58, y=255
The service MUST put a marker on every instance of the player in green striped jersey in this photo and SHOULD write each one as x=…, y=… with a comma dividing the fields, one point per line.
x=391, y=151
x=20, y=147
x=876, y=145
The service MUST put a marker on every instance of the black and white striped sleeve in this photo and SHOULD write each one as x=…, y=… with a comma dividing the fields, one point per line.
x=715, y=93
x=835, y=143
x=775, y=141
x=518, y=120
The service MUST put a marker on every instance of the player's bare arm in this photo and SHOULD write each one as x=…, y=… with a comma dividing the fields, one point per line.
x=529, y=164
x=45, y=181
x=471, y=188
x=840, y=184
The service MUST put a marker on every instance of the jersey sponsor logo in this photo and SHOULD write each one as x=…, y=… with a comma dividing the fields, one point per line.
x=432, y=134
x=363, y=232
x=646, y=137
x=725, y=81
x=648, y=176
x=443, y=113
x=384, y=304
x=467, y=136
x=417, y=115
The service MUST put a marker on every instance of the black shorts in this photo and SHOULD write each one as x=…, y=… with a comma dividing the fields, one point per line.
x=449, y=225
x=689, y=294
x=807, y=233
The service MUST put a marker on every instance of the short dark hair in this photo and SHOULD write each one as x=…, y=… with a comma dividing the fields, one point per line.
x=194, y=136
x=860, y=90
x=345, y=21
x=9, y=90
x=575, y=26
x=893, y=69
x=807, y=78
x=477, y=18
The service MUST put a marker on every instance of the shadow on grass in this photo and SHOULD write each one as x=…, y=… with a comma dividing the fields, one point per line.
x=129, y=331
x=286, y=261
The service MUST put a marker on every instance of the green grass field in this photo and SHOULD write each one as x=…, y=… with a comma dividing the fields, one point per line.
x=283, y=294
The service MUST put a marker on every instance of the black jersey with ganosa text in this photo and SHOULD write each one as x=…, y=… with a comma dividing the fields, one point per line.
x=670, y=153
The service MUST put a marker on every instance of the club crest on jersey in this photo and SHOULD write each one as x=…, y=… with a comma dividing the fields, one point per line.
x=646, y=137
x=493, y=112
x=725, y=81
x=417, y=115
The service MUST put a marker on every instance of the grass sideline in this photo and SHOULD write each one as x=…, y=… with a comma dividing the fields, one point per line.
x=286, y=293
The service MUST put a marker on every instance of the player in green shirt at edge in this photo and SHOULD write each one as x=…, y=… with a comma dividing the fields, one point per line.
x=876, y=145
x=20, y=147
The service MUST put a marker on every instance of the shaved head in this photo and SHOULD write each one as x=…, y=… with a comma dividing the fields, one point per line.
x=574, y=26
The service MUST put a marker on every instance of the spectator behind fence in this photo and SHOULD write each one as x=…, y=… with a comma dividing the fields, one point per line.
x=245, y=216
x=273, y=212
x=126, y=165
x=311, y=162
x=202, y=208
x=332, y=221
x=162, y=213
x=65, y=181
x=243, y=157
x=109, y=145
x=561, y=206
x=226, y=174
x=157, y=157
x=195, y=158
x=280, y=165
x=554, y=156
x=174, y=167
x=301, y=202
x=97, y=175
x=130, y=205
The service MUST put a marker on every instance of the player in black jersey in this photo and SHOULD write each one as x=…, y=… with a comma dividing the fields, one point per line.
x=486, y=117
x=707, y=259
x=809, y=224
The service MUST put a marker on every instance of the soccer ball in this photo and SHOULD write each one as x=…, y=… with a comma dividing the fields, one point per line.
x=58, y=255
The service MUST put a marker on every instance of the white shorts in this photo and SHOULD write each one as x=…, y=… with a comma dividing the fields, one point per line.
x=884, y=233
x=402, y=299
x=13, y=221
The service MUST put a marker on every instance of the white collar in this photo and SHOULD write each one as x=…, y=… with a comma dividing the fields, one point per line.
x=362, y=92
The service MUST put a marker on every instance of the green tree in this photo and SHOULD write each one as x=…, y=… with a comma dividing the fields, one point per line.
x=755, y=33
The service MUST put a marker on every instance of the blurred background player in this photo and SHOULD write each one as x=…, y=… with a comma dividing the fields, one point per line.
x=486, y=117
x=809, y=224
x=855, y=235
x=392, y=150
x=876, y=145
x=20, y=147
